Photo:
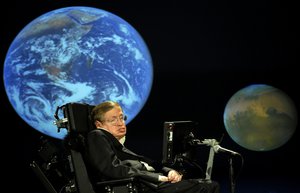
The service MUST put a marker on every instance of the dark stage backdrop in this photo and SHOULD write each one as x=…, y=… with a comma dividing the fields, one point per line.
x=203, y=52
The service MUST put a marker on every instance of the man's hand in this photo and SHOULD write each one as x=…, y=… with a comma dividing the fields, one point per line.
x=174, y=176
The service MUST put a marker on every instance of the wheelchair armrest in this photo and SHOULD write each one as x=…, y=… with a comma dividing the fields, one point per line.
x=116, y=182
x=126, y=182
x=126, y=185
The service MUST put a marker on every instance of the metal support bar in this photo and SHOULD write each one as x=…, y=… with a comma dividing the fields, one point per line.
x=209, y=164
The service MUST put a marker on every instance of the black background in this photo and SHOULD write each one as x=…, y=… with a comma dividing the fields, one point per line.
x=203, y=52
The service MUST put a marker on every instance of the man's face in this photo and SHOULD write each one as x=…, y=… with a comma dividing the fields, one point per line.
x=114, y=122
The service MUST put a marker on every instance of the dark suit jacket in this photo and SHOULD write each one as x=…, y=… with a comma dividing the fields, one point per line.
x=109, y=159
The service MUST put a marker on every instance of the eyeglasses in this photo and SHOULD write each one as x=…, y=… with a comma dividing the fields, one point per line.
x=114, y=120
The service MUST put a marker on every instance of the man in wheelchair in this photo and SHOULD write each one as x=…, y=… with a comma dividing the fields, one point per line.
x=108, y=159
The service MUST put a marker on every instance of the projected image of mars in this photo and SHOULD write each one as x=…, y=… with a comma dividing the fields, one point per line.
x=260, y=117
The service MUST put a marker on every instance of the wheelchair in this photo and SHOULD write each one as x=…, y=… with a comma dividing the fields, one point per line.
x=61, y=166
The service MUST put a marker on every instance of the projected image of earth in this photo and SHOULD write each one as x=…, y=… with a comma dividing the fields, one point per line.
x=76, y=54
